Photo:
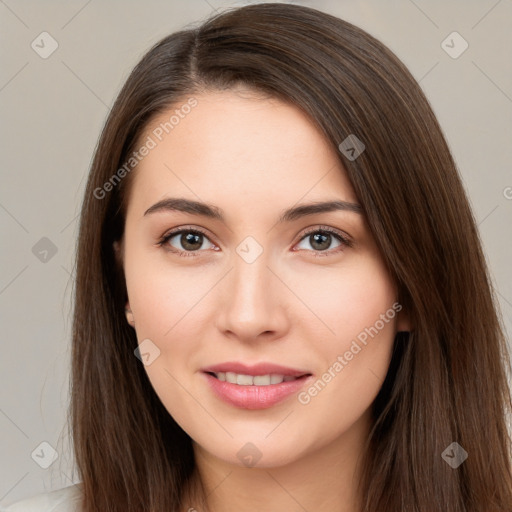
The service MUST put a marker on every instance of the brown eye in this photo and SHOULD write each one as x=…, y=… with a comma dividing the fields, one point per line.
x=185, y=241
x=321, y=240
x=189, y=241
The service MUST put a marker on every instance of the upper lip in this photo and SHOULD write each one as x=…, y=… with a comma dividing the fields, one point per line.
x=256, y=369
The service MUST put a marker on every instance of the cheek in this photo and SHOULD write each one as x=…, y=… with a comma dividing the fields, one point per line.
x=357, y=310
x=163, y=296
x=166, y=306
x=346, y=300
x=171, y=319
x=168, y=302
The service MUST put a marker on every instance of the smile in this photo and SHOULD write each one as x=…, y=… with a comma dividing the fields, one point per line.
x=254, y=391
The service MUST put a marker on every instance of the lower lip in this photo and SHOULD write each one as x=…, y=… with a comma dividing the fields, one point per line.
x=255, y=397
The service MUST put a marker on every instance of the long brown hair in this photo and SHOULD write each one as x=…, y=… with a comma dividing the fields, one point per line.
x=447, y=381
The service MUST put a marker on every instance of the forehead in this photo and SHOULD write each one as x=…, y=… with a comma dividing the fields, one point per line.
x=238, y=143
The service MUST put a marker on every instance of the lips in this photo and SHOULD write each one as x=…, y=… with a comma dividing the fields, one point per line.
x=254, y=387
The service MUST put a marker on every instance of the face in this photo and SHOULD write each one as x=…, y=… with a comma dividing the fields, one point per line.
x=248, y=287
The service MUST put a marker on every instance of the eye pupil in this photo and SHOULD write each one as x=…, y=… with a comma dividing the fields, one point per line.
x=321, y=238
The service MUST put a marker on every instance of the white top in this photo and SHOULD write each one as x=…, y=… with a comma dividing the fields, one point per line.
x=62, y=500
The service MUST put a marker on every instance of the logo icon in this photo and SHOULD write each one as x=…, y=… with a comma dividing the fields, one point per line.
x=454, y=455
x=454, y=45
x=352, y=147
x=44, y=45
x=147, y=352
x=249, y=455
x=44, y=250
x=44, y=455
x=249, y=249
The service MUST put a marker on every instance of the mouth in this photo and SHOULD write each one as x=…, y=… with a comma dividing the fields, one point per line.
x=258, y=386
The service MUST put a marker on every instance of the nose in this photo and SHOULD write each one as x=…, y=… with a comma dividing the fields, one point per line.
x=253, y=302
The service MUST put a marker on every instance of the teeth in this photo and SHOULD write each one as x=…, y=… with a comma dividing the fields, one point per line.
x=263, y=380
x=231, y=377
x=245, y=380
x=276, y=379
x=250, y=380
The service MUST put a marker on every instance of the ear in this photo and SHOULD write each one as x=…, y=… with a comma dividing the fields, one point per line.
x=129, y=314
x=118, y=252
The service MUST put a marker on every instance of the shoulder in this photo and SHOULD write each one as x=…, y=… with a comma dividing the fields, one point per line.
x=67, y=499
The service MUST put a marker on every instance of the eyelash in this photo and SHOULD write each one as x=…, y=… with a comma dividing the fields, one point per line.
x=344, y=241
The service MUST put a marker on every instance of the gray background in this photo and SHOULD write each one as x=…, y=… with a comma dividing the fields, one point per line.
x=52, y=111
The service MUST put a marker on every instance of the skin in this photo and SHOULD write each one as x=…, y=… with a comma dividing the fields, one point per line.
x=254, y=157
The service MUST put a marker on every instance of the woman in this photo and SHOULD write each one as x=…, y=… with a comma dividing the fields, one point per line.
x=281, y=297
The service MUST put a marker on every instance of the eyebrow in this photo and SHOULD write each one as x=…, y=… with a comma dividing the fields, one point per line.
x=213, y=212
